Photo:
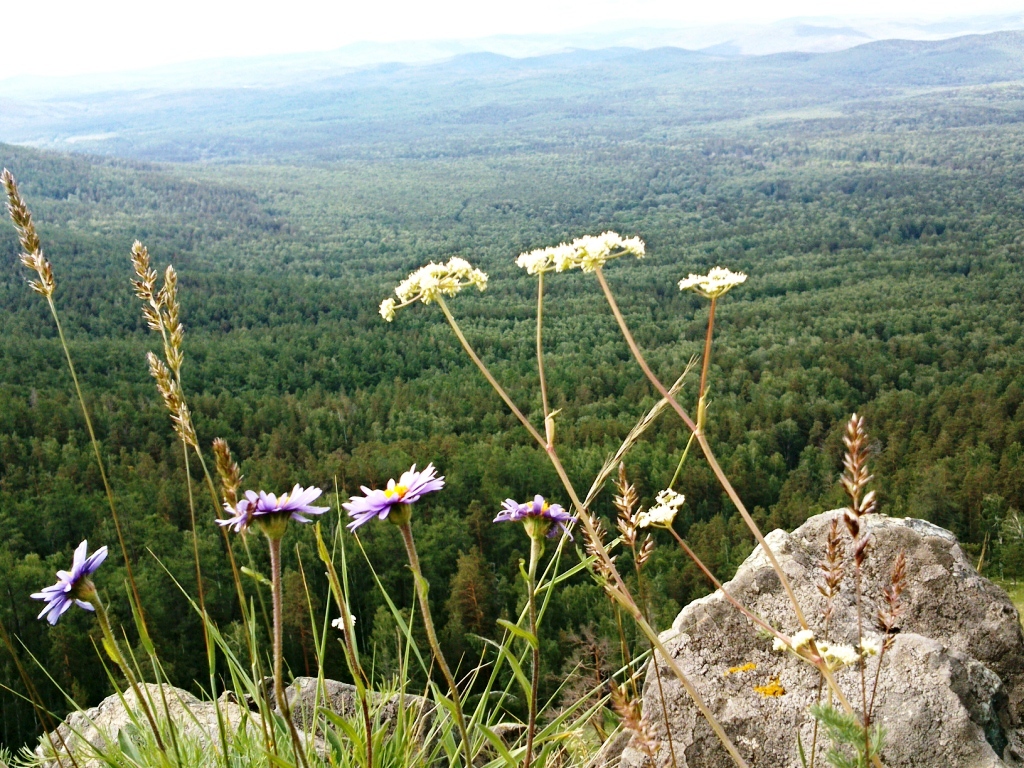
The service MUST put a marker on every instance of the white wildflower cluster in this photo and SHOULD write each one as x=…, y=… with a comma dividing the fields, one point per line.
x=837, y=656
x=717, y=282
x=799, y=641
x=428, y=283
x=667, y=503
x=339, y=623
x=587, y=253
x=834, y=656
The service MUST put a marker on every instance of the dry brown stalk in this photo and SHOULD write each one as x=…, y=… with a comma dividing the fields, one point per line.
x=228, y=471
x=832, y=569
x=628, y=710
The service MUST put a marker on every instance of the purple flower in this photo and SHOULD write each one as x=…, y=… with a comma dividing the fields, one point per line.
x=538, y=509
x=290, y=506
x=72, y=587
x=378, y=503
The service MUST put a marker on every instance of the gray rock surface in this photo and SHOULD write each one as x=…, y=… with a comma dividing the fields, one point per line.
x=83, y=733
x=951, y=690
x=304, y=698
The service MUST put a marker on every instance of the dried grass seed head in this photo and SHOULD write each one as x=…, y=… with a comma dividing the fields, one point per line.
x=228, y=471
x=32, y=256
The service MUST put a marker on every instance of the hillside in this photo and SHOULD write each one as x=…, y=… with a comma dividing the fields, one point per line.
x=488, y=102
x=879, y=218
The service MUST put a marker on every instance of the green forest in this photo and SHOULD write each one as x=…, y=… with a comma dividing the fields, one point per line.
x=886, y=275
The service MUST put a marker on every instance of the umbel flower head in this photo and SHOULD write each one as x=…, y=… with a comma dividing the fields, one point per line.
x=72, y=586
x=717, y=282
x=379, y=503
x=667, y=503
x=271, y=512
x=427, y=283
x=587, y=253
x=538, y=515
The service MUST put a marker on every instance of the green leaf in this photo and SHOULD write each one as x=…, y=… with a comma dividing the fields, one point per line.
x=519, y=632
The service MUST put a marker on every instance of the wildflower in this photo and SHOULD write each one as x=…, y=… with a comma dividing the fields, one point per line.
x=870, y=647
x=429, y=283
x=800, y=640
x=272, y=512
x=339, y=623
x=587, y=253
x=74, y=586
x=378, y=503
x=717, y=282
x=663, y=512
x=545, y=518
x=836, y=656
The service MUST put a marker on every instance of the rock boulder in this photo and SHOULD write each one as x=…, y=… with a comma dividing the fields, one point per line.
x=951, y=689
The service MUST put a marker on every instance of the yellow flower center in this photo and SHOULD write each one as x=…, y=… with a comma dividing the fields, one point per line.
x=398, y=490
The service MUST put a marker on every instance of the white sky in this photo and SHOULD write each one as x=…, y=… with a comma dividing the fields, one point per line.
x=62, y=37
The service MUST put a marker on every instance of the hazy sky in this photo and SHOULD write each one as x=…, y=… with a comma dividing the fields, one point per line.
x=59, y=37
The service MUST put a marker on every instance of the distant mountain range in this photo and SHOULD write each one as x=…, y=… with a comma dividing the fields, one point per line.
x=822, y=34
x=329, y=112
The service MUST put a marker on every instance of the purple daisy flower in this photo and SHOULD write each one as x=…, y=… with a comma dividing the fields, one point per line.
x=72, y=586
x=552, y=514
x=292, y=506
x=378, y=503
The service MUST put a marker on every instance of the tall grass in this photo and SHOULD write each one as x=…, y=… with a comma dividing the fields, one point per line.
x=463, y=717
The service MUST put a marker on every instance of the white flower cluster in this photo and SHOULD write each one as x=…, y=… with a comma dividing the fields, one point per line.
x=587, y=253
x=339, y=623
x=715, y=283
x=800, y=640
x=837, y=656
x=834, y=656
x=667, y=503
x=427, y=283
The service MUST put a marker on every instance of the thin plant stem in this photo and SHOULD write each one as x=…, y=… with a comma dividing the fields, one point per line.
x=489, y=376
x=536, y=547
x=114, y=649
x=646, y=608
x=37, y=703
x=706, y=363
x=753, y=617
x=195, y=538
x=588, y=524
x=540, y=357
x=620, y=594
x=435, y=647
x=276, y=601
x=814, y=733
x=682, y=460
x=341, y=598
x=705, y=447
x=863, y=664
x=627, y=658
x=99, y=457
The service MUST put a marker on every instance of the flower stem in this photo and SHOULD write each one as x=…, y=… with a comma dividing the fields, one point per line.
x=435, y=647
x=645, y=607
x=540, y=358
x=488, y=375
x=276, y=600
x=536, y=548
x=682, y=460
x=99, y=458
x=114, y=650
x=707, y=350
x=705, y=447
